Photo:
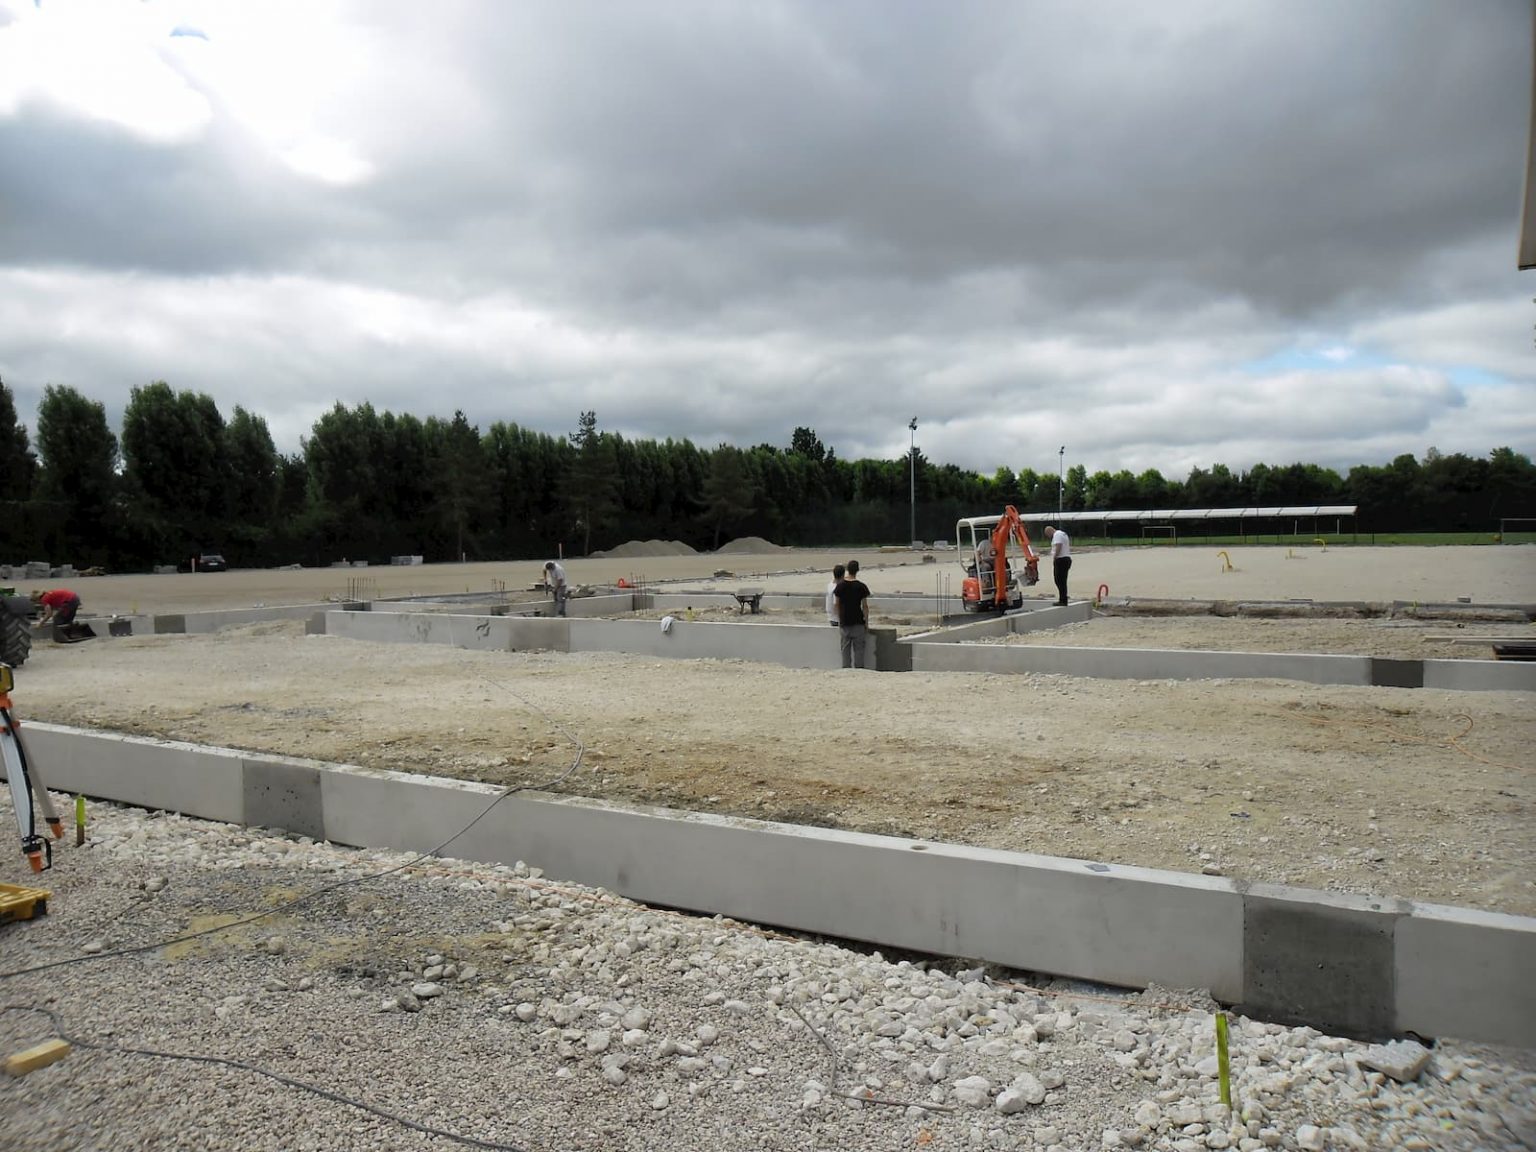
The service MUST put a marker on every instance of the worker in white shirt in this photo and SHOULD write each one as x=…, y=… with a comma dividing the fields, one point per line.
x=837, y=578
x=1061, y=560
x=554, y=578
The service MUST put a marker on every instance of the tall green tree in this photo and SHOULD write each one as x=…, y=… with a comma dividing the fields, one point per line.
x=728, y=491
x=18, y=464
x=805, y=442
x=79, y=452
x=174, y=465
x=592, y=484
x=79, y=471
x=252, y=465
x=459, y=477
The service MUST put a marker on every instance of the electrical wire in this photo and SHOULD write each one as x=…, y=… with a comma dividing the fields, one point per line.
x=305, y=898
x=862, y=1097
x=1452, y=742
x=242, y=1066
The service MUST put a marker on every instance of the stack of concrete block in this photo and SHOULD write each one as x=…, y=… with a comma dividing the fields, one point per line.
x=39, y=570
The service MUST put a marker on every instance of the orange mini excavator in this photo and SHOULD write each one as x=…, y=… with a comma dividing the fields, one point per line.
x=982, y=545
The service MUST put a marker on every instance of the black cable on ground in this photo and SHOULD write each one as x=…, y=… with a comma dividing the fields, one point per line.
x=240, y=1065
x=296, y=901
x=324, y=889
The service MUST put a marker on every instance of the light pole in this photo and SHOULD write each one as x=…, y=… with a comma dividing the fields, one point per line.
x=1061, y=478
x=912, y=464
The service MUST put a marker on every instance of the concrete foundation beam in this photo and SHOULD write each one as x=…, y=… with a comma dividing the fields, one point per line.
x=1320, y=958
x=1142, y=663
x=1461, y=972
x=1367, y=967
x=159, y=774
x=1029, y=619
x=1480, y=675
x=205, y=622
x=792, y=645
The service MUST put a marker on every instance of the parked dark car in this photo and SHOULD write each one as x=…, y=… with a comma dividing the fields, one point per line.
x=204, y=562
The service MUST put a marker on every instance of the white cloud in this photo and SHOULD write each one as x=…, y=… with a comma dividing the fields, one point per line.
x=105, y=62
x=1494, y=334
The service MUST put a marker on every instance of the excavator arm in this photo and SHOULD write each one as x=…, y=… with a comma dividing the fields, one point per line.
x=1011, y=526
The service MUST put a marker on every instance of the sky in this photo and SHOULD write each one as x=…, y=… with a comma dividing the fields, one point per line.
x=1154, y=235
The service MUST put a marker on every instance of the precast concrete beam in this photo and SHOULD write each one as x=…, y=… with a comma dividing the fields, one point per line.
x=1347, y=963
x=159, y=774
x=1321, y=958
x=1480, y=675
x=791, y=645
x=1463, y=972
x=1142, y=663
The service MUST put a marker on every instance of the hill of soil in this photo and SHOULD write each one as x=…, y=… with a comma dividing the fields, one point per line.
x=640, y=548
x=752, y=544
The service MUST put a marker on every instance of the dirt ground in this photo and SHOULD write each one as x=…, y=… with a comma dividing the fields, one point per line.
x=1387, y=791
x=1486, y=575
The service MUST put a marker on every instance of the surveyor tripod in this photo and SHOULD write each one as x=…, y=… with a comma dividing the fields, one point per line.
x=28, y=791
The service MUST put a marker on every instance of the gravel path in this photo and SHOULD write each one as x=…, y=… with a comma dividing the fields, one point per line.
x=491, y=1003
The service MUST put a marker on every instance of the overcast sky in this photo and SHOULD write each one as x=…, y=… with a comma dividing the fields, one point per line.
x=1161, y=235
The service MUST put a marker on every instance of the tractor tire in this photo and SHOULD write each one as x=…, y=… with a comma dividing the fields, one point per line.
x=15, y=639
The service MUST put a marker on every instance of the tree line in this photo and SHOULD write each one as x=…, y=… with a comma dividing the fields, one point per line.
x=179, y=477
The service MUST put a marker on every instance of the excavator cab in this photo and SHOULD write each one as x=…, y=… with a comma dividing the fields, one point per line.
x=991, y=582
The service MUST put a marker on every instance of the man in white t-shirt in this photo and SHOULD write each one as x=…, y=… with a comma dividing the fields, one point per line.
x=837, y=578
x=554, y=578
x=1061, y=560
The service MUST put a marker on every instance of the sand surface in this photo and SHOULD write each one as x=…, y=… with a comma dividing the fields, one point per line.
x=1389, y=791
x=1492, y=574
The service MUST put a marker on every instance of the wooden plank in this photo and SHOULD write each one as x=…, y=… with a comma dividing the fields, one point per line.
x=35, y=1057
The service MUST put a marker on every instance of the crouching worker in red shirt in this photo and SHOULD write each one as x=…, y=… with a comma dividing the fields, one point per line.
x=59, y=606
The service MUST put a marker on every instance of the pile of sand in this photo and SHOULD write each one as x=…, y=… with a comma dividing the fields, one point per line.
x=752, y=544
x=641, y=548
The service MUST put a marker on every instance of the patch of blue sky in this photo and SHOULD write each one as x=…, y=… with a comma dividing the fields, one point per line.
x=1343, y=357
x=1466, y=376
x=1324, y=359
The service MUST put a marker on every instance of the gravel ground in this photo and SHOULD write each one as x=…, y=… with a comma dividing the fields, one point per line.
x=494, y=1004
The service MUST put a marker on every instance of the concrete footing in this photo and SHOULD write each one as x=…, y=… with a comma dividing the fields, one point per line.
x=504, y=628
x=816, y=646
x=1345, y=963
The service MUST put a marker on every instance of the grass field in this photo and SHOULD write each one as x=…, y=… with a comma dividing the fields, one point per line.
x=1308, y=539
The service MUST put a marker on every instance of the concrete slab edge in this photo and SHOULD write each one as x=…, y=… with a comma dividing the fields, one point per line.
x=1356, y=964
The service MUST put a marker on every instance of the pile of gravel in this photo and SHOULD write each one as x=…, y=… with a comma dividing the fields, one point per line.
x=750, y=545
x=497, y=1004
x=643, y=548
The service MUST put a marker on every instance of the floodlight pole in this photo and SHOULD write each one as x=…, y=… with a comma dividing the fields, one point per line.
x=1061, y=478
x=912, y=471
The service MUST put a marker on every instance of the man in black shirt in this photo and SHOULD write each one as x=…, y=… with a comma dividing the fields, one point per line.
x=853, y=616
